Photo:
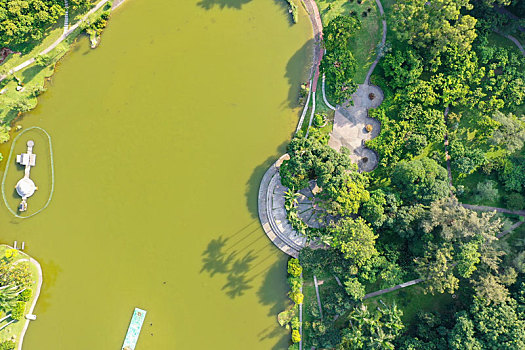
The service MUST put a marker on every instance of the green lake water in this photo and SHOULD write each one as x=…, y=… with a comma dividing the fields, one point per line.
x=160, y=138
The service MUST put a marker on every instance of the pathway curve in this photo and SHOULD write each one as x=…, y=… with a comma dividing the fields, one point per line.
x=350, y=120
x=513, y=39
x=57, y=42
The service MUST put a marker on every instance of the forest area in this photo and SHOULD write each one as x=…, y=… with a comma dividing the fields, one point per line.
x=450, y=152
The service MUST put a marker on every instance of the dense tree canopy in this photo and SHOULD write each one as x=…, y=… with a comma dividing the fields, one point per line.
x=420, y=180
x=434, y=25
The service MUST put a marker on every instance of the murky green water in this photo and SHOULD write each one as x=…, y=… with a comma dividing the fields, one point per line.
x=160, y=138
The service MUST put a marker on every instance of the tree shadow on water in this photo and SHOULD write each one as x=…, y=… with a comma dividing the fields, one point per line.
x=253, y=183
x=232, y=4
x=271, y=294
x=234, y=258
x=298, y=67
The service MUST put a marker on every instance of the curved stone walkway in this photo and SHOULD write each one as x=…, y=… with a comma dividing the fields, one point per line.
x=272, y=213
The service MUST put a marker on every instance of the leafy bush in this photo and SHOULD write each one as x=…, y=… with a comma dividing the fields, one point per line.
x=297, y=297
x=17, y=313
x=515, y=201
x=486, y=191
x=319, y=120
x=296, y=336
x=25, y=295
x=7, y=345
x=285, y=317
x=294, y=268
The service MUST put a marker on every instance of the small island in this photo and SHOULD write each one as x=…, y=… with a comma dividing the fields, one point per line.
x=20, y=284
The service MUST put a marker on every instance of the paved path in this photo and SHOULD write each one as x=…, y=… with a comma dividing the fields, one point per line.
x=510, y=229
x=350, y=123
x=66, y=17
x=391, y=289
x=272, y=213
x=57, y=42
x=318, y=297
x=499, y=210
x=317, y=26
x=350, y=120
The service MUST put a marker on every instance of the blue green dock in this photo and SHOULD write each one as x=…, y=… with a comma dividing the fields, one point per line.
x=135, y=326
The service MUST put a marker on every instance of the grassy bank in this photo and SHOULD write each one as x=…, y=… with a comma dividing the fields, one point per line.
x=20, y=90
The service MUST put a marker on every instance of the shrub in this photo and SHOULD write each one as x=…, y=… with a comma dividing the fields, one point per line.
x=285, y=317
x=18, y=310
x=297, y=298
x=294, y=268
x=371, y=96
x=369, y=127
x=296, y=336
x=515, y=201
x=25, y=295
x=364, y=14
x=319, y=120
x=486, y=191
x=295, y=323
x=7, y=345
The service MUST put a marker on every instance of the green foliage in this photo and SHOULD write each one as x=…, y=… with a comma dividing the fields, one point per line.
x=297, y=297
x=339, y=63
x=296, y=336
x=434, y=25
x=354, y=288
x=515, y=201
x=486, y=191
x=376, y=329
x=466, y=159
x=338, y=31
x=25, y=295
x=402, y=68
x=8, y=345
x=17, y=313
x=285, y=317
x=354, y=238
x=27, y=20
x=294, y=268
x=339, y=67
x=513, y=174
x=373, y=210
x=421, y=180
x=509, y=133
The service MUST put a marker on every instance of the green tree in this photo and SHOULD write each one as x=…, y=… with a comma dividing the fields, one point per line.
x=339, y=67
x=420, y=180
x=402, y=68
x=354, y=238
x=354, y=288
x=434, y=25
x=338, y=31
x=510, y=132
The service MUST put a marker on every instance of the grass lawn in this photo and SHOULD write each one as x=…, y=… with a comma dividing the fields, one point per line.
x=15, y=328
x=365, y=40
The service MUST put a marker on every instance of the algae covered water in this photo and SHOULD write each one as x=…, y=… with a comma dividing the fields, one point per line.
x=160, y=137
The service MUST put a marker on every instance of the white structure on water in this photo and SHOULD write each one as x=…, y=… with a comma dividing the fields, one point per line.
x=26, y=187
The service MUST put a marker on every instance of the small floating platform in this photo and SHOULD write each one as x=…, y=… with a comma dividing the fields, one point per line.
x=134, y=329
